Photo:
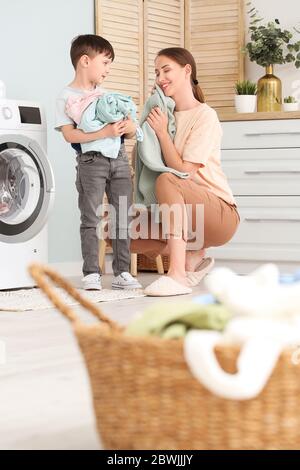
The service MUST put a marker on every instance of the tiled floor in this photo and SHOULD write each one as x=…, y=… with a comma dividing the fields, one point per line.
x=45, y=400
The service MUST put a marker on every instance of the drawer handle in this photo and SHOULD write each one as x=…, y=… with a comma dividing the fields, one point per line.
x=254, y=219
x=258, y=134
x=257, y=172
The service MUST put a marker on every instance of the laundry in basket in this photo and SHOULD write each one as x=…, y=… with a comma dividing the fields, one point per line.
x=145, y=396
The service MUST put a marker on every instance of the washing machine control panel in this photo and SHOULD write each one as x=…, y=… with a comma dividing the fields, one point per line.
x=8, y=115
x=19, y=115
x=7, y=112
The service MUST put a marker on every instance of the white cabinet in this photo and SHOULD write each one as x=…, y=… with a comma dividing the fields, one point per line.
x=280, y=133
x=262, y=162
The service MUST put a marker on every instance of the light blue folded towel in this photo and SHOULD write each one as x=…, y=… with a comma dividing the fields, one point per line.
x=107, y=109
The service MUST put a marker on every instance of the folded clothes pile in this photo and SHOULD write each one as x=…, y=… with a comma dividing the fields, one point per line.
x=94, y=111
x=258, y=294
x=260, y=313
x=175, y=320
x=265, y=320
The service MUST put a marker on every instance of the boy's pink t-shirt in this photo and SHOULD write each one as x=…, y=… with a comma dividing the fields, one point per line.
x=198, y=140
x=76, y=105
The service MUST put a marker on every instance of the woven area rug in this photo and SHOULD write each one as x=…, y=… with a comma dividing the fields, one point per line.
x=35, y=299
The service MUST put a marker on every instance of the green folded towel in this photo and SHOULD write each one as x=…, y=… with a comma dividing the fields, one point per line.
x=170, y=320
x=149, y=162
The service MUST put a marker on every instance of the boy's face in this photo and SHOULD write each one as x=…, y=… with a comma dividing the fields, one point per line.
x=98, y=68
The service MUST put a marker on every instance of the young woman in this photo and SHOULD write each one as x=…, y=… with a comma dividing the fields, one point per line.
x=194, y=150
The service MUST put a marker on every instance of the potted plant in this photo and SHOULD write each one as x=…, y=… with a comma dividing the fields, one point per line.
x=290, y=104
x=245, y=98
x=270, y=45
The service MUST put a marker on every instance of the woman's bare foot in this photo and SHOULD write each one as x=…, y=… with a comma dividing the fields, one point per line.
x=192, y=259
x=182, y=279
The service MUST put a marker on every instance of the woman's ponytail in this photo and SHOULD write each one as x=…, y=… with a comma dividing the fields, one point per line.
x=197, y=91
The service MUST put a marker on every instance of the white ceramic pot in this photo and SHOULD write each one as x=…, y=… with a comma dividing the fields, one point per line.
x=290, y=106
x=245, y=103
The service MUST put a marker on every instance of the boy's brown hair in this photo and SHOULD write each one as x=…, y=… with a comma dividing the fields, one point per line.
x=90, y=45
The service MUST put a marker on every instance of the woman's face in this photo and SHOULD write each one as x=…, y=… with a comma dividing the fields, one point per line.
x=171, y=76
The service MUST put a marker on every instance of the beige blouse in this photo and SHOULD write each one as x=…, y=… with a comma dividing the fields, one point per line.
x=198, y=140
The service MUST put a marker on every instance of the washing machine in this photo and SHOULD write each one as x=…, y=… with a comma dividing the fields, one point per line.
x=26, y=191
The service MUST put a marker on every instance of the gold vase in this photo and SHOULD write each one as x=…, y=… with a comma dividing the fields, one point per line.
x=269, y=92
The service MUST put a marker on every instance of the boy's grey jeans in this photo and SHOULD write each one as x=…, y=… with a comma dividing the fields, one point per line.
x=96, y=174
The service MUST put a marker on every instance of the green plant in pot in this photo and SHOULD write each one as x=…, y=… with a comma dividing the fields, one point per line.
x=245, y=98
x=270, y=45
x=290, y=104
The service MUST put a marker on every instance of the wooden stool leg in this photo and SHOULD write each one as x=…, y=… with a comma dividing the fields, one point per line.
x=133, y=264
x=102, y=250
x=159, y=265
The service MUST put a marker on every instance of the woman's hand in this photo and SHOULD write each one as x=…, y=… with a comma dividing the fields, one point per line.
x=158, y=121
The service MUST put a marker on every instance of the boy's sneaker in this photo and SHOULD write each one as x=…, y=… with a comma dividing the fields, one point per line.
x=92, y=282
x=125, y=281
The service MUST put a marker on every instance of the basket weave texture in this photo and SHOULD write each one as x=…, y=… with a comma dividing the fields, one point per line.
x=146, y=398
x=144, y=263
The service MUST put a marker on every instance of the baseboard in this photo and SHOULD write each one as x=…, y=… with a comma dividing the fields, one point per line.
x=71, y=269
x=247, y=266
x=68, y=268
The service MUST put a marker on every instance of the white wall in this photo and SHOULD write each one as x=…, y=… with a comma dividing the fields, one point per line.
x=35, y=38
x=288, y=13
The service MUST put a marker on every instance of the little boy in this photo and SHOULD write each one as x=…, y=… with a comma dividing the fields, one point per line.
x=91, y=56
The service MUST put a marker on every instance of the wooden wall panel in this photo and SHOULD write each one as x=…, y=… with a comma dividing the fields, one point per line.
x=214, y=33
x=121, y=23
x=163, y=27
x=213, y=30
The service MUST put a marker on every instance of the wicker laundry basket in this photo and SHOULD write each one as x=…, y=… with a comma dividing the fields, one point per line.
x=144, y=263
x=146, y=398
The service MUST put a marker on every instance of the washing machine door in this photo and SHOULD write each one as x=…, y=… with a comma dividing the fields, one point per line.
x=26, y=188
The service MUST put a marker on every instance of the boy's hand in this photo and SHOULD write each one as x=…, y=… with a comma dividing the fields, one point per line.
x=130, y=126
x=113, y=130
